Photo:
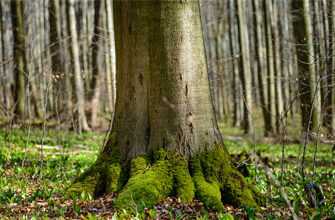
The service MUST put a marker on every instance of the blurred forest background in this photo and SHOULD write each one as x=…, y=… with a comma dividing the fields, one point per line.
x=57, y=64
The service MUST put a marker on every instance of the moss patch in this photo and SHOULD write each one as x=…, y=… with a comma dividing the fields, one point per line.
x=147, y=188
x=184, y=187
x=217, y=167
x=208, y=192
x=213, y=180
x=86, y=185
x=113, y=173
x=138, y=165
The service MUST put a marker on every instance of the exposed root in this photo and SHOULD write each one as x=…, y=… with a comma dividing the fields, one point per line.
x=210, y=178
x=146, y=187
x=207, y=192
x=184, y=186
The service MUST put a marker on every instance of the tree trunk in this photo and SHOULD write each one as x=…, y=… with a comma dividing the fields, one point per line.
x=236, y=88
x=331, y=72
x=163, y=112
x=96, y=74
x=66, y=58
x=80, y=95
x=278, y=68
x=19, y=55
x=110, y=79
x=309, y=96
x=2, y=75
x=286, y=54
x=270, y=64
x=246, y=68
x=262, y=68
x=8, y=65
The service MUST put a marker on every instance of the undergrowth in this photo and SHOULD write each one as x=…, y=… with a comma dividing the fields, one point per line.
x=36, y=169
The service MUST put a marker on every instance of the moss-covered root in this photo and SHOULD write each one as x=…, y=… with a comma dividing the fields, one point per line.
x=208, y=192
x=183, y=183
x=86, y=183
x=146, y=185
x=214, y=181
x=216, y=168
x=100, y=178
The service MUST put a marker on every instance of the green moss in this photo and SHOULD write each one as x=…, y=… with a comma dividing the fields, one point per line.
x=86, y=185
x=161, y=154
x=208, y=192
x=87, y=181
x=101, y=177
x=184, y=187
x=236, y=191
x=216, y=166
x=138, y=165
x=215, y=163
x=113, y=172
x=214, y=180
x=147, y=188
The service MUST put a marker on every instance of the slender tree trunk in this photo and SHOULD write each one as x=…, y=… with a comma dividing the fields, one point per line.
x=278, y=68
x=270, y=65
x=331, y=72
x=2, y=75
x=80, y=95
x=96, y=74
x=19, y=54
x=246, y=69
x=67, y=58
x=233, y=33
x=262, y=68
x=310, y=98
x=110, y=78
x=8, y=53
x=82, y=41
x=286, y=59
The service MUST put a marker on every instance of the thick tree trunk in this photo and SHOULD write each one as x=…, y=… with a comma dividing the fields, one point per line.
x=168, y=91
x=164, y=115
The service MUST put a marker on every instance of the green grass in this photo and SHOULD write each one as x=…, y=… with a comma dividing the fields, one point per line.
x=31, y=175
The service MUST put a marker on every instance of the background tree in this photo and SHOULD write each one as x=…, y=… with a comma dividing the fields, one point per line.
x=246, y=69
x=308, y=85
x=82, y=121
x=19, y=54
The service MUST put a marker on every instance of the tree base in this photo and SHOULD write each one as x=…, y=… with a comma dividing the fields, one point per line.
x=148, y=179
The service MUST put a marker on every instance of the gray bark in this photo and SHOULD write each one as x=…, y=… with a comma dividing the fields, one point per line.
x=164, y=77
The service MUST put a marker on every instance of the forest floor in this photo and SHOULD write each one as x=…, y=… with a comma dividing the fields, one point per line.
x=37, y=166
